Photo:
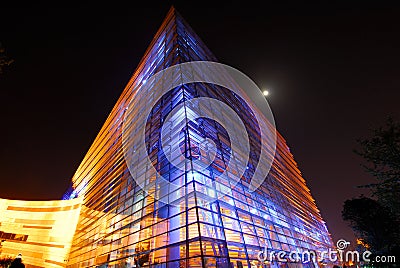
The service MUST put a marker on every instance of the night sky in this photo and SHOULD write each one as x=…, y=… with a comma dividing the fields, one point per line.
x=333, y=72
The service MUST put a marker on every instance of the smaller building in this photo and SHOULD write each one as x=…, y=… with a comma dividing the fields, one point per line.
x=41, y=231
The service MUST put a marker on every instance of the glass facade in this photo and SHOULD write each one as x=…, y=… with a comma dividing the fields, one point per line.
x=208, y=221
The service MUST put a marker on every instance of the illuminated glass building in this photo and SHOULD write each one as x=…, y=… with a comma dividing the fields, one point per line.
x=121, y=225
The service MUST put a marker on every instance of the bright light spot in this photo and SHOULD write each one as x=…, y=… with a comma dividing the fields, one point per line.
x=144, y=81
x=211, y=193
x=253, y=211
x=265, y=93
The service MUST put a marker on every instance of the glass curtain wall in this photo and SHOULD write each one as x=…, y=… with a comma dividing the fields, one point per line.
x=121, y=225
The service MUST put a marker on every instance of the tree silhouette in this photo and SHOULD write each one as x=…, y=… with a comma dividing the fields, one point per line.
x=382, y=156
x=372, y=222
x=376, y=220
